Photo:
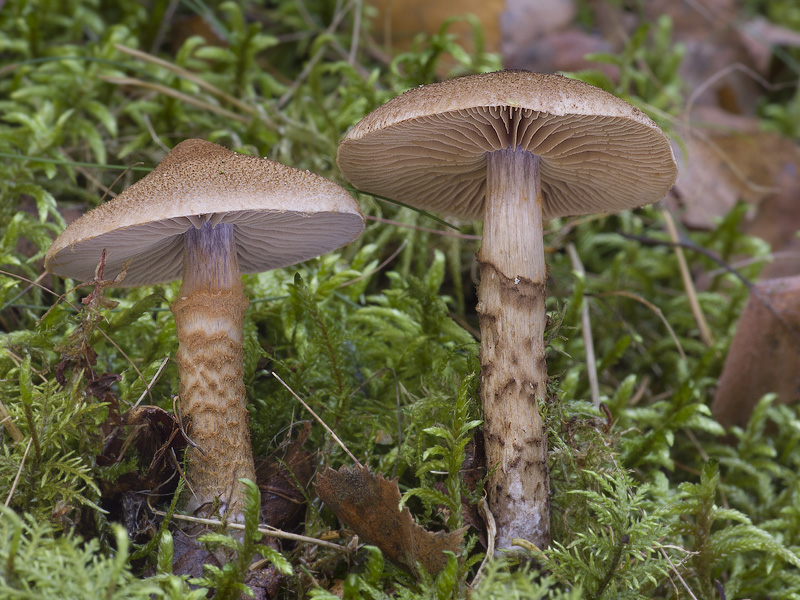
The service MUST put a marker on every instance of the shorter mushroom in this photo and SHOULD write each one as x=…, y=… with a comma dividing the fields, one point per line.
x=207, y=215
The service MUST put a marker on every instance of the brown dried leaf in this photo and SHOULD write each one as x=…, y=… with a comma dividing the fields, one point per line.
x=264, y=583
x=368, y=504
x=189, y=555
x=777, y=219
x=765, y=353
x=722, y=169
x=524, y=22
x=282, y=482
x=717, y=64
x=760, y=35
x=154, y=433
x=403, y=21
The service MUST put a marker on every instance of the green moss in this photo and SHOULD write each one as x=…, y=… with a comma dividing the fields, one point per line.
x=377, y=338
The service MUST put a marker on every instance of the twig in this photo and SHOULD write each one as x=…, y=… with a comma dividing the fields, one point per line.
x=688, y=283
x=193, y=77
x=586, y=326
x=9, y=424
x=683, y=582
x=753, y=260
x=443, y=232
x=321, y=422
x=177, y=464
x=639, y=393
x=655, y=309
x=287, y=95
x=265, y=529
x=337, y=19
x=491, y=532
x=19, y=472
x=379, y=267
x=60, y=299
x=153, y=134
x=82, y=170
x=153, y=381
x=696, y=443
x=168, y=91
x=465, y=324
x=710, y=255
x=164, y=26
x=351, y=58
x=397, y=386
x=27, y=289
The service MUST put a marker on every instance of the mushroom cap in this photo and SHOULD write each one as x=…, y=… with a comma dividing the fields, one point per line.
x=281, y=215
x=428, y=146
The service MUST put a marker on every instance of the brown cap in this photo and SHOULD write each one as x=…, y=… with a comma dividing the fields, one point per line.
x=282, y=216
x=428, y=146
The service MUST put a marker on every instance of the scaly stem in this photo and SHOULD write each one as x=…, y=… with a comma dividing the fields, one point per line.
x=511, y=305
x=209, y=317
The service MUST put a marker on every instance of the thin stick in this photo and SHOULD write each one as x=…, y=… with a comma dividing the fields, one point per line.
x=189, y=76
x=321, y=422
x=287, y=95
x=491, y=532
x=61, y=298
x=463, y=236
x=747, y=283
x=337, y=18
x=685, y=585
x=164, y=26
x=655, y=309
x=379, y=267
x=351, y=58
x=8, y=422
x=586, y=323
x=153, y=381
x=19, y=472
x=82, y=170
x=265, y=529
x=153, y=134
x=30, y=286
x=688, y=284
x=168, y=91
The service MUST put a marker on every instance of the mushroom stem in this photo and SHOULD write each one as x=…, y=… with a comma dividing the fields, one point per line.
x=511, y=306
x=209, y=316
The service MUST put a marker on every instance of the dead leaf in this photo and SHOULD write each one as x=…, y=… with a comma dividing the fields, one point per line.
x=101, y=386
x=189, y=555
x=564, y=50
x=777, y=220
x=524, y=22
x=398, y=22
x=368, y=504
x=765, y=353
x=759, y=36
x=264, y=583
x=716, y=63
x=721, y=169
x=154, y=433
x=282, y=482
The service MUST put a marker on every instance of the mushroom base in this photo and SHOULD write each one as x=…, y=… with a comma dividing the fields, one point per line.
x=511, y=306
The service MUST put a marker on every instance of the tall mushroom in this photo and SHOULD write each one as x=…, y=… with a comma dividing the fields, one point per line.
x=205, y=215
x=514, y=148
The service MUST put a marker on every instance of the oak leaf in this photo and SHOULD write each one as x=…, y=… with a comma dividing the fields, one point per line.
x=369, y=504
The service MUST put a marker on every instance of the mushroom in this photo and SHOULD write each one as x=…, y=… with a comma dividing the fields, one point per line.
x=206, y=215
x=514, y=148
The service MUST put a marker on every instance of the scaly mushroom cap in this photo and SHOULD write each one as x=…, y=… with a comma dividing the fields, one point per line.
x=428, y=147
x=282, y=216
